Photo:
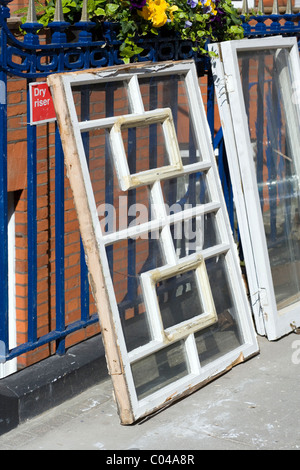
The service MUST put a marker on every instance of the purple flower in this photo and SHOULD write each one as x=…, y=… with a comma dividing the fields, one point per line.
x=188, y=24
x=138, y=3
x=219, y=17
x=192, y=3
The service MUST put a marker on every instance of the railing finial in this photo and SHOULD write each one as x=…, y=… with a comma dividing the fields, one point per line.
x=260, y=7
x=245, y=9
x=31, y=25
x=84, y=13
x=289, y=7
x=31, y=14
x=58, y=14
x=275, y=10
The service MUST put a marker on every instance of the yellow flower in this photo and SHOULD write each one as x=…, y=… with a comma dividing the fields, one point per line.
x=212, y=6
x=171, y=11
x=155, y=11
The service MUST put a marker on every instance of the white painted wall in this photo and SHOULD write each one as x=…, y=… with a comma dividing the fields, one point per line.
x=251, y=3
x=11, y=366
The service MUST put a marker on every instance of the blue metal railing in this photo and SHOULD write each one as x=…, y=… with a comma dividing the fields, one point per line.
x=39, y=60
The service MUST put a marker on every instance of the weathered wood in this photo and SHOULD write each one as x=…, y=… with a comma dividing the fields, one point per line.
x=87, y=230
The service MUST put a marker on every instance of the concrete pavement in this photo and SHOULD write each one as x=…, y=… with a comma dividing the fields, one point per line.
x=255, y=406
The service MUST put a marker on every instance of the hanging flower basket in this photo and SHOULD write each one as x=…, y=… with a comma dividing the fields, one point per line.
x=135, y=20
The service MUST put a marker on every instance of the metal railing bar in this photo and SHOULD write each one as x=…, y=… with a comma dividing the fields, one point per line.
x=52, y=336
x=4, y=335
x=32, y=227
x=84, y=283
x=59, y=239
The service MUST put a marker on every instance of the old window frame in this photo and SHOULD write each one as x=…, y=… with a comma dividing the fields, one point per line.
x=269, y=320
x=119, y=360
x=161, y=116
x=203, y=320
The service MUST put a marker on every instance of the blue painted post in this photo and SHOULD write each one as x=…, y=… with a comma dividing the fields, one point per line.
x=173, y=103
x=59, y=241
x=131, y=253
x=58, y=26
x=109, y=34
x=84, y=283
x=32, y=228
x=31, y=38
x=210, y=102
x=275, y=26
x=152, y=140
x=4, y=13
x=225, y=180
x=109, y=172
x=85, y=36
x=260, y=128
x=289, y=18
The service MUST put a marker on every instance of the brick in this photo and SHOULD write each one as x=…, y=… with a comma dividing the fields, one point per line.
x=72, y=294
x=17, y=110
x=16, y=165
x=42, y=225
x=22, y=328
x=42, y=189
x=73, y=260
x=21, y=305
x=21, y=266
x=20, y=279
x=16, y=85
x=71, y=284
x=72, y=315
x=13, y=123
x=42, y=298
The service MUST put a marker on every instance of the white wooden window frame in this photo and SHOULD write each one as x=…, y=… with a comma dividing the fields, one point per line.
x=269, y=320
x=207, y=318
x=119, y=359
x=161, y=116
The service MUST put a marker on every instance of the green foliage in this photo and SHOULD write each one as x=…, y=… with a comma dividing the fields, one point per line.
x=198, y=21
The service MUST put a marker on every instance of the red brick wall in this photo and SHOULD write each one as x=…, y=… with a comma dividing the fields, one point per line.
x=17, y=182
x=17, y=4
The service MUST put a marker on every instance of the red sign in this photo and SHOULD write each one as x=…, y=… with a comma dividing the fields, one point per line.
x=41, y=103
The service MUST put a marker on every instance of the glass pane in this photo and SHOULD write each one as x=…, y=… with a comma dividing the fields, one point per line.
x=145, y=148
x=98, y=101
x=211, y=233
x=116, y=209
x=127, y=260
x=185, y=191
x=225, y=335
x=195, y=234
x=274, y=128
x=170, y=92
x=179, y=299
x=162, y=368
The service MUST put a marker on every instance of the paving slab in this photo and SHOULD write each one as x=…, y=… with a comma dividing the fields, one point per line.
x=255, y=406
